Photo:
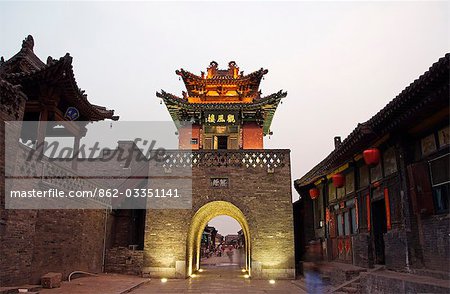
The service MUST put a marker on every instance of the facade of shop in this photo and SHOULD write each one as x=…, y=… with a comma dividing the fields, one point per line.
x=382, y=196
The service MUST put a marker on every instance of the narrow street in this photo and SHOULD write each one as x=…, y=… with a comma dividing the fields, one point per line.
x=219, y=275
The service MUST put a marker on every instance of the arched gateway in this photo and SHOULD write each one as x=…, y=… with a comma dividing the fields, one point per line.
x=221, y=122
x=201, y=218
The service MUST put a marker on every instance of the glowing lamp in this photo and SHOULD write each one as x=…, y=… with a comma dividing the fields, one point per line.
x=246, y=276
x=272, y=282
x=164, y=280
x=338, y=180
x=371, y=156
x=314, y=193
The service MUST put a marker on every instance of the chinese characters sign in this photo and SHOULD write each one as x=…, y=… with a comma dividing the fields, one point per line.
x=219, y=182
x=221, y=118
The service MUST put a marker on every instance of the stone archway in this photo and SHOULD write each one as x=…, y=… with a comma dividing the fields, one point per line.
x=257, y=196
x=201, y=218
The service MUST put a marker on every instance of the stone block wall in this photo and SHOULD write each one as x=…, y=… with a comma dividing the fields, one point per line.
x=124, y=261
x=362, y=252
x=394, y=282
x=436, y=247
x=40, y=241
x=262, y=194
x=35, y=242
x=396, y=249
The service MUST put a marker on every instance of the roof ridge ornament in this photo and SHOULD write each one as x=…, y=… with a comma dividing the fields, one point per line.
x=28, y=43
x=51, y=60
x=212, y=69
x=213, y=64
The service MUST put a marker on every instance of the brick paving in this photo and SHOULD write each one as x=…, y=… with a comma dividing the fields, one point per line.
x=223, y=279
x=214, y=279
x=103, y=283
x=219, y=275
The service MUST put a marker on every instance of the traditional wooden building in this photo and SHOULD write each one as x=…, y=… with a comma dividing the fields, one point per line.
x=208, y=242
x=52, y=95
x=51, y=88
x=34, y=242
x=224, y=109
x=382, y=196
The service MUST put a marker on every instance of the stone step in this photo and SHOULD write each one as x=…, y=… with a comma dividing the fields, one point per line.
x=432, y=273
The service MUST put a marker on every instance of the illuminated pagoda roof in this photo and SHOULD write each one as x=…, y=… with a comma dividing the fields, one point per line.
x=222, y=83
x=222, y=90
x=27, y=70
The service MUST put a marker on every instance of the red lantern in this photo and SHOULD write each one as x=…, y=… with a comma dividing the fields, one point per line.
x=371, y=156
x=338, y=180
x=314, y=193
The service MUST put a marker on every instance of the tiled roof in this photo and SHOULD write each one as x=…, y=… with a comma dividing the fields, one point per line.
x=219, y=77
x=61, y=70
x=398, y=112
x=267, y=105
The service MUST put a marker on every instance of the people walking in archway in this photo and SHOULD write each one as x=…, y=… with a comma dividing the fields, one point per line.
x=230, y=253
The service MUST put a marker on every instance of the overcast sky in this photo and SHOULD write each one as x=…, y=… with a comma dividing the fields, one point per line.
x=340, y=62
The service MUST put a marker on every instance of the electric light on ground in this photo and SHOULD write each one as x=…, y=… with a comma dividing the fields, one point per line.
x=243, y=270
x=193, y=275
x=164, y=280
x=246, y=276
x=200, y=270
x=272, y=281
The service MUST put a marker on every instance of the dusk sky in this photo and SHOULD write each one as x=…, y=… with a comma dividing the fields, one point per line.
x=340, y=62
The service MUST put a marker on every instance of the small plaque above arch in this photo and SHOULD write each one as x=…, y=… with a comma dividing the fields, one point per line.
x=220, y=183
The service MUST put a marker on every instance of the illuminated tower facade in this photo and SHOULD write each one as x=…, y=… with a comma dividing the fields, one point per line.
x=221, y=119
x=224, y=107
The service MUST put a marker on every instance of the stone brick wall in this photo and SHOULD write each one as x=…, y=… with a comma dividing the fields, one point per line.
x=124, y=261
x=264, y=197
x=41, y=241
x=35, y=242
x=362, y=250
x=396, y=249
x=392, y=282
x=11, y=263
x=436, y=247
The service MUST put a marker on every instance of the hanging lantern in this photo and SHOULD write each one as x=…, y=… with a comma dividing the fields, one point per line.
x=338, y=180
x=314, y=193
x=371, y=156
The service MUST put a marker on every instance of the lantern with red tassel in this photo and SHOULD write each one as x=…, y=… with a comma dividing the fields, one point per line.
x=314, y=193
x=371, y=156
x=338, y=180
